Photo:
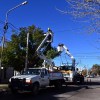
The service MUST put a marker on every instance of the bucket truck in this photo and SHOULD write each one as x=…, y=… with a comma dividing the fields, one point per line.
x=33, y=79
x=70, y=73
x=48, y=39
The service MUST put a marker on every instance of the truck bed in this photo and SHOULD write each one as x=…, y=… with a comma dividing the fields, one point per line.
x=55, y=75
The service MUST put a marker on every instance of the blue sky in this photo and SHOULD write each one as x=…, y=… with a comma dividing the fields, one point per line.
x=85, y=47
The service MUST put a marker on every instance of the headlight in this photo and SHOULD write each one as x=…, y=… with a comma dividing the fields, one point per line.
x=28, y=81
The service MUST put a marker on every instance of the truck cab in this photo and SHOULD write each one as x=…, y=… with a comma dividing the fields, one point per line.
x=32, y=79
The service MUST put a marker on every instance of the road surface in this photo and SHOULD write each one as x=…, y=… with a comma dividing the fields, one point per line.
x=89, y=91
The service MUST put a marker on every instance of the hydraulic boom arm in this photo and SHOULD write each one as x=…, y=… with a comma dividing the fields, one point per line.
x=48, y=39
x=61, y=47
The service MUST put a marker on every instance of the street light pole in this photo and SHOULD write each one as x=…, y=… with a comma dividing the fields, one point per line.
x=6, y=28
x=6, y=21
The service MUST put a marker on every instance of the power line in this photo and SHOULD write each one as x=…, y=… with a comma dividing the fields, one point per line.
x=13, y=27
x=69, y=29
x=1, y=22
x=87, y=53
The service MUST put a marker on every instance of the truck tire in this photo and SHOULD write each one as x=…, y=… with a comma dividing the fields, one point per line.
x=35, y=89
x=75, y=80
x=13, y=91
x=58, y=85
x=81, y=80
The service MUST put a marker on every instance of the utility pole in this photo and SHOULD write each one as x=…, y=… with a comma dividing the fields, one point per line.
x=5, y=28
x=26, y=60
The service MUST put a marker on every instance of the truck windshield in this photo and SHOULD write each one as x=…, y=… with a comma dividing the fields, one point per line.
x=31, y=72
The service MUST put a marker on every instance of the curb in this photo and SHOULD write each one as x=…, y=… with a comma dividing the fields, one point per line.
x=3, y=85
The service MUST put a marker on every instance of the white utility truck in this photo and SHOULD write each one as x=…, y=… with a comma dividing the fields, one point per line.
x=70, y=72
x=33, y=79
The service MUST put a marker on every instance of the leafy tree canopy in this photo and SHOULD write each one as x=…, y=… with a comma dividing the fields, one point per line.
x=85, y=11
x=96, y=69
x=14, y=53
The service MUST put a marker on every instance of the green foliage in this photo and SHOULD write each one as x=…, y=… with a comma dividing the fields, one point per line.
x=96, y=69
x=52, y=53
x=14, y=53
x=84, y=72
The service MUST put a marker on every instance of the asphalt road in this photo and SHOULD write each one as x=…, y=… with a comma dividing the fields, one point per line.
x=88, y=91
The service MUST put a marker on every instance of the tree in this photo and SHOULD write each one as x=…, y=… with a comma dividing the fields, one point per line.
x=96, y=69
x=84, y=72
x=52, y=53
x=85, y=9
x=15, y=50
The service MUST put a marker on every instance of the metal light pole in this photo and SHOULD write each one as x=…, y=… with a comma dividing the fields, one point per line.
x=6, y=28
x=6, y=21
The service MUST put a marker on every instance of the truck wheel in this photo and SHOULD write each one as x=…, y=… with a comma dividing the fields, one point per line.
x=58, y=85
x=75, y=80
x=35, y=89
x=13, y=91
x=82, y=80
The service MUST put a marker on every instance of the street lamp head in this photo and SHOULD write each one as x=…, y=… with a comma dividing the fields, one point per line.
x=24, y=3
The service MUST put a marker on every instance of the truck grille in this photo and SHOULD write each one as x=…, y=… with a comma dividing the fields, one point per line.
x=17, y=82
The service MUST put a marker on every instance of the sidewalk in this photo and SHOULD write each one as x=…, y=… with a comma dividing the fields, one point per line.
x=3, y=87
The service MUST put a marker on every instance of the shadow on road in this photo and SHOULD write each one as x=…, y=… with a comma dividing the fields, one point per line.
x=50, y=93
x=85, y=83
x=92, y=83
x=44, y=94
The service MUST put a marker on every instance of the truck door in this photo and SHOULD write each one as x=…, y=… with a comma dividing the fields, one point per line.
x=44, y=77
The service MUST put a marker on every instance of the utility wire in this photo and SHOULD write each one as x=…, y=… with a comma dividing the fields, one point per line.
x=1, y=22
x=13, y=27
x=66, y=30
x=87, y=53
